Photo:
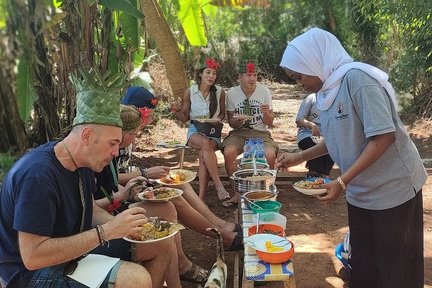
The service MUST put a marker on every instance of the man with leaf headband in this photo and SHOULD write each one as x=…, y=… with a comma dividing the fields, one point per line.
x=250, y=114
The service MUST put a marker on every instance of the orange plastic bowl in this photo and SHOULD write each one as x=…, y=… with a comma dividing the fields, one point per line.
x=276, y=257
x=267, y=229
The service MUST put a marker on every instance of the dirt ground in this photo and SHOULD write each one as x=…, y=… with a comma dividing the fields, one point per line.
x=315, y=229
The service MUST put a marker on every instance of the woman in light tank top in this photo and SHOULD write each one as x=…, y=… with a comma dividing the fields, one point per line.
x=204, y=102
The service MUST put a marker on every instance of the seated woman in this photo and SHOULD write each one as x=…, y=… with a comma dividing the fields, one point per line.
x=108, y=183
x=205, y=100
x=309, y=128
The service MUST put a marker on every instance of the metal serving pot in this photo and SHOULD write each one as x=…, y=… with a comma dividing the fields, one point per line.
x=249, y=165
x=241, y=184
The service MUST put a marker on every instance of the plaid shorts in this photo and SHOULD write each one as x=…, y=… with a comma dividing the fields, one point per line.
x=54, y=277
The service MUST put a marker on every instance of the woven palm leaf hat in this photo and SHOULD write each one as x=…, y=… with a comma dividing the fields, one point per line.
x=98, y=97
x=98, y=107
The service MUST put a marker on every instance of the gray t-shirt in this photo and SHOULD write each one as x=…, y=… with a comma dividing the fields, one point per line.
x=363, y=109
x=309, y=111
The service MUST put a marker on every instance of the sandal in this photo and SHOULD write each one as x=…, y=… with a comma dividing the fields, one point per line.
x=222, y=193
x=229, y=203
x=195, y=274
x=237, y=243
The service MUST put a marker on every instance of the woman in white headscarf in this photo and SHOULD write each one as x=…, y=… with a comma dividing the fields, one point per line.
x=381, y=170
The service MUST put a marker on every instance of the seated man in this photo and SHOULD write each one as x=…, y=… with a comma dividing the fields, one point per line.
x=110, y=190
x=247, y=99
x=48, y=216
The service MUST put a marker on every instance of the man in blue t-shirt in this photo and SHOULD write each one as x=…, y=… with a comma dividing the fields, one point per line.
x=48, y=217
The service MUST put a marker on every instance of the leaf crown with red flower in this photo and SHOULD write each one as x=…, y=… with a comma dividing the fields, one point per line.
x=211, y=63
x=248, y=66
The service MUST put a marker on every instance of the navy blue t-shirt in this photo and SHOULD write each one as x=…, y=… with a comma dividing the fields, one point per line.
x=40, y=196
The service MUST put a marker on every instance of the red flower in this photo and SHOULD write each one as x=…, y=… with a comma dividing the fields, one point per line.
x=250, y=67
x=115, y=204
x=154, y=101
x=211, y=63
x=144, y=113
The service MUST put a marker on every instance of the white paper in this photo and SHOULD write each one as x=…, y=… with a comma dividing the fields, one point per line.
x=93, y=269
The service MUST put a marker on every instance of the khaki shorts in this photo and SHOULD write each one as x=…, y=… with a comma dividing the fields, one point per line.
x=238, y=137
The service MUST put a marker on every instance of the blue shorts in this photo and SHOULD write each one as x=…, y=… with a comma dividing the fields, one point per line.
x=192, y=130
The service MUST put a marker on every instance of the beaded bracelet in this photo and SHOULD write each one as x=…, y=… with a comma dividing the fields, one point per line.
x=341, y=182
x=101, y=235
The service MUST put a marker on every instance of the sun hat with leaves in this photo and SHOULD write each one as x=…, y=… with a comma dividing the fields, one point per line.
x=98, y=98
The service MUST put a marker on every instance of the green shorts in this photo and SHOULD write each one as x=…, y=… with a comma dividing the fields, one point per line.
x=237, y=138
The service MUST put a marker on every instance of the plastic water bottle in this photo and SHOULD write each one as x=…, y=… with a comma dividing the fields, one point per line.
x=247, y=149
x=260, y=148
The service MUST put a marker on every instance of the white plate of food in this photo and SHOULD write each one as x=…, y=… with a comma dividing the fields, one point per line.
x=177, y=177
x=311, y=186
x=161, y=194
x=150, y=233
x=170, y=144
x=243, y=117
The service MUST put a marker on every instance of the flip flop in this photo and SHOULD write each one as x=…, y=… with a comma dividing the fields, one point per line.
x=229, y=203
x=237, y=243
x=195, y=274
x=238, y=228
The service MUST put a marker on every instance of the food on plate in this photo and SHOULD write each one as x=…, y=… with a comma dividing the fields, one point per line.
x=273, y=248
x=310, y=184
x=174, y=178
x=161, y=193
x=151, y=232
x=255, y=195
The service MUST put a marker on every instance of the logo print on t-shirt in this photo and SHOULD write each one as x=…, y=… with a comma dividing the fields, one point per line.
x=340, y=110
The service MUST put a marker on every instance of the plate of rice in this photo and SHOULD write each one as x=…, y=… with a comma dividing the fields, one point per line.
x=150, y=233
x=311, y=186
x=177, y=177
x=161, y=194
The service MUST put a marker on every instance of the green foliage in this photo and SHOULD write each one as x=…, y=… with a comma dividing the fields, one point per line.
x=190, y=16
x=122, y=5
x=25, y=90
x=131, y=29
x=6, y=162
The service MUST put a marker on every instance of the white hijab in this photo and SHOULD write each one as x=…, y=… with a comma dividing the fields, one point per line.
x=319, y=53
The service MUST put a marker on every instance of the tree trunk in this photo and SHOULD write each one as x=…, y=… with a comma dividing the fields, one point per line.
x=14, y=136
x=159, y=30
